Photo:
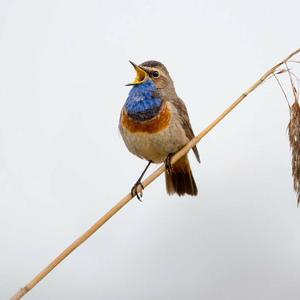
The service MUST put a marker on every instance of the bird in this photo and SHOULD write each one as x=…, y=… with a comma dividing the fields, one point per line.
x=154, y=124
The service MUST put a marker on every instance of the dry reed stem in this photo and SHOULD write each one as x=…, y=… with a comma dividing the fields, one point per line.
x=146, y=182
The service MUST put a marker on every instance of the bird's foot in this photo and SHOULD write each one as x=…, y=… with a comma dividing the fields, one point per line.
x=134, y=190
x=168, y=164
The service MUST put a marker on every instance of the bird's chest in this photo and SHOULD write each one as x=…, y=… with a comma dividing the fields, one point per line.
x=144, y=110
x=159, y=121
x=153, y=139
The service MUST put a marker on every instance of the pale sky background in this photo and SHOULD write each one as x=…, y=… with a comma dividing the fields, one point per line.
x=63, y=164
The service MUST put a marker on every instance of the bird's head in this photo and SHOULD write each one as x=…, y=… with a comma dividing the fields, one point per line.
x=155, y=71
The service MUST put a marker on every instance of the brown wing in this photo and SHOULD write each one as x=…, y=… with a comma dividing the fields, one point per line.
x=185, y=121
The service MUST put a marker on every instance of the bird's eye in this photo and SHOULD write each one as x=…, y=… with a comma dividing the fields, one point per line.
x=155, y=74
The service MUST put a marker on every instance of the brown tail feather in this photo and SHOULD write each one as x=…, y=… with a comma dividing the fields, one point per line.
x=181, y=180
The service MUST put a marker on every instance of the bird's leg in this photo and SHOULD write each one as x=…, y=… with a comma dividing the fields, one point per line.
x=134, y=191
x=168, y=164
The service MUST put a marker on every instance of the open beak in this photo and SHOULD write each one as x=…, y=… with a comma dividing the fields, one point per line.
x=141, y=75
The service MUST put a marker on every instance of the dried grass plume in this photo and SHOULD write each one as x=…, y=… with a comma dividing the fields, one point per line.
x=294, y=136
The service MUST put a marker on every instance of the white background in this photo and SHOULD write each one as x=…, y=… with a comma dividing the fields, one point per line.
x=63, y=164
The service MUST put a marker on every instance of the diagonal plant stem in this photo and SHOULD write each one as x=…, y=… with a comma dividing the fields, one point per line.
x=145, y=183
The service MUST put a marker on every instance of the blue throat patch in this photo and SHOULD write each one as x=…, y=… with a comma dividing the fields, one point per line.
x=141, y=105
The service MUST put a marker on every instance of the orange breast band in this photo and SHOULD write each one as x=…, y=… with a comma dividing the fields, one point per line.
x=156, y=124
